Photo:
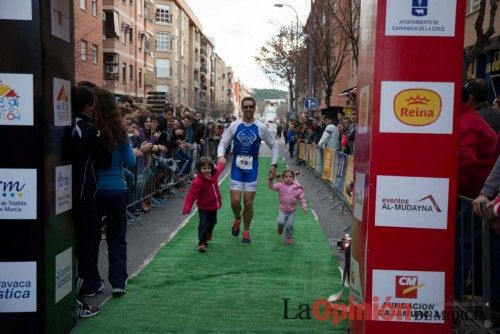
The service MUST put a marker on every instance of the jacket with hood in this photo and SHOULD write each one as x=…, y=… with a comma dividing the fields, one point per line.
x=205, y=191
x=289, y=195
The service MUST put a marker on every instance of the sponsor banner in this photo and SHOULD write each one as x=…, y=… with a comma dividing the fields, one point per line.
x=64, y=274
x=411, y=296
x=60, y=19
x=340, y=171
x=15, y=10
x=364, y=103
x=17, y=287
x=416, y=107
x=312, y=156
x=356, y=290
x=16, y=99
x=428, y=18
x=348, y=178
x=302, y=151
x=359, y=196
x=18, y=191
x=412, y=202
x=62, y=102
x=327, y=164
x=63, y=186
x=319, y=160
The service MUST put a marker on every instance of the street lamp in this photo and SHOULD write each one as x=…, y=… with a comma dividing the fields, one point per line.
x=296, y=88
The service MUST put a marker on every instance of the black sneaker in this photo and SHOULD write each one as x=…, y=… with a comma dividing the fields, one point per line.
x=99, y=289
x=84, y=310
x=118, y=292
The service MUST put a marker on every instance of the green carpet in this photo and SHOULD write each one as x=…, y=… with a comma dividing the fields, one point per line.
x=234, y=287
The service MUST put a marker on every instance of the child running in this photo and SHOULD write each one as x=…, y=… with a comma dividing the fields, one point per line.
x=205, y=191
x=290, y=192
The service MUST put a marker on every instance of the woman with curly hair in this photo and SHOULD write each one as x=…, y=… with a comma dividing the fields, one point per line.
x=111, y=196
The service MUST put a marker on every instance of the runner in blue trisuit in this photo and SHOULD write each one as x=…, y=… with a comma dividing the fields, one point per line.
x=246, y=135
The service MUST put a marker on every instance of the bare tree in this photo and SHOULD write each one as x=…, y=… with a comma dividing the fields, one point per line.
x=329, y=43
x=346, y=14
x=278, y=59
x=482, y=36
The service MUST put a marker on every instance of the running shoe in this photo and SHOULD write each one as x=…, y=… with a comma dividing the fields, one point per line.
x=288, y=240
x=84, y=310
x=280, y=229
x=202, y=248
x=235, y=230
x=209, y=236
x=118, y=292
x=246, y=237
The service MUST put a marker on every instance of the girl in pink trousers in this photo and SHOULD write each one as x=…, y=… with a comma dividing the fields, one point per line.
x=290, y=192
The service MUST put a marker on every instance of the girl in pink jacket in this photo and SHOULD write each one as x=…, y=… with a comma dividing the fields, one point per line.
x=290, y=192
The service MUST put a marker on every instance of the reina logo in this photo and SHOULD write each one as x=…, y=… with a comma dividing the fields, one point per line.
x=407, y=286
x=417, y=107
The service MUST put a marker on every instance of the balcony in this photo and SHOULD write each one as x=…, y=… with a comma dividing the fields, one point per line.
x=204, y=52
x=203, y=69
x=203, y=87
x=196, y=84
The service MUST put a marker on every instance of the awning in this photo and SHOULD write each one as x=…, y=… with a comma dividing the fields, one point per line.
x=348, y=91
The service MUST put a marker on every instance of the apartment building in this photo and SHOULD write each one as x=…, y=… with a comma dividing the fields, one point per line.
x=132, y=47
x=88, y=41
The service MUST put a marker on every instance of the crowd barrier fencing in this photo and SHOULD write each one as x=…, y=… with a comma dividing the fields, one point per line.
x=334, y=169
x=156, y=175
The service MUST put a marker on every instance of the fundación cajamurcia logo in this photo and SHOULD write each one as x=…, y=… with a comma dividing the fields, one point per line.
x=417, y=107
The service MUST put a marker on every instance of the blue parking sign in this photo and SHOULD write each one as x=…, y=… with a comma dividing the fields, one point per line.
x=310, y=103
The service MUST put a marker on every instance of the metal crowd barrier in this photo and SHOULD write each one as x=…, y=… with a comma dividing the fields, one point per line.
x=472, y=266
x=155, y=175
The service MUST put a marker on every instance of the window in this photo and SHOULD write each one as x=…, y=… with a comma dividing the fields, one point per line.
x=131, y=72
x=94, y=54
x=473, y=5
x=163, y=69
x=139, y=76
x=163, y=41
x=83, y=4
x=124, y=72
x=163, y=88
x=163, y=14
x=83, y=50
x=131, y=35
x=94, y=7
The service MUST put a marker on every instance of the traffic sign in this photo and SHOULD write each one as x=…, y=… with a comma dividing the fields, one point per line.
x=310, y=103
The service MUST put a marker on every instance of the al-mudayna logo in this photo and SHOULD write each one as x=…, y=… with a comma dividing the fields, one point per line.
x=417, y=107
x=9, y=103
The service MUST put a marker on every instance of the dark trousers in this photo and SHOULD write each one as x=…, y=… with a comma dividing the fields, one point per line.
x=208, y=219
x=114, y=208
x=291, y=146
x=88, y=238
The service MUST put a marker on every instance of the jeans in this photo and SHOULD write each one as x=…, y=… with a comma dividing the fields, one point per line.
x=113, y=206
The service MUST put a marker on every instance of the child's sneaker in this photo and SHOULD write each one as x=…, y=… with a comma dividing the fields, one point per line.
x=209, y=236
x=288, y=240
x=235, y=230
x=202, y=248
x=246, y=237
x=280, y=229
x=84, y=310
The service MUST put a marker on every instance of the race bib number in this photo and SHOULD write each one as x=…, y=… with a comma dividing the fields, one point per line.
x=244, y=161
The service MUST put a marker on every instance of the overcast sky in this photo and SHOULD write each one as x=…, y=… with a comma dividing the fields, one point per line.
x=241, y=27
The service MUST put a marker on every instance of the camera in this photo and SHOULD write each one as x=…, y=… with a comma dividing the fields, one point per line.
x=343, y=243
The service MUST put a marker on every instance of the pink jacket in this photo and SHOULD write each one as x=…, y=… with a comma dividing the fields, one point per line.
x=289, y=195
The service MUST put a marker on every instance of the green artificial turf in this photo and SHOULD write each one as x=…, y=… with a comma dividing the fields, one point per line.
x=234, y=287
